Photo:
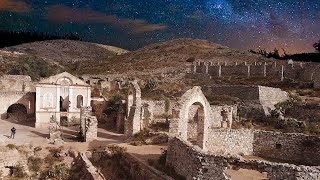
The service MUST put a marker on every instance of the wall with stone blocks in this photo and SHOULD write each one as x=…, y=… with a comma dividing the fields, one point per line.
x=86, y=169
x=295, y=71
x=136, y=168
x=230, y=141
x=193, y=163
x=240, y=91
x=293, y=147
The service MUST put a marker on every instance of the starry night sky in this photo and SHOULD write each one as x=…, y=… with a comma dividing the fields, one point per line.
x=242, y=24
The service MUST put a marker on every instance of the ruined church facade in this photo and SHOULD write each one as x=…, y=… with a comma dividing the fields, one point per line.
x=60, y=97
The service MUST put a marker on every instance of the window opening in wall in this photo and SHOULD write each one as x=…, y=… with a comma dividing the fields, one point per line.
x=278, y=146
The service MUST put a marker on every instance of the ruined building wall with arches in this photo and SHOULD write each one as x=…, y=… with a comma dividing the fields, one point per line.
x=60, y=96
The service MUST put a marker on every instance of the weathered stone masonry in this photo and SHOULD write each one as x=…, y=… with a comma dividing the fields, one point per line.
x=194, y=163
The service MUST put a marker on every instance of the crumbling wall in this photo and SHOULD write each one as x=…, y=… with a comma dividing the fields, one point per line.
x=88, y=124
x=179, y=122
x=194, y=163
x=132, y=122
x=230, y=141
x=292, y=147
x=269, y=97
x=85, y=169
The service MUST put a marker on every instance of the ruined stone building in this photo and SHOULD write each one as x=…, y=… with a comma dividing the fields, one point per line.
x=60, y=96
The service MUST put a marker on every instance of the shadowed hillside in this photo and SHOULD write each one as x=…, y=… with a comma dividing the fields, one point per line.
x=172, y=54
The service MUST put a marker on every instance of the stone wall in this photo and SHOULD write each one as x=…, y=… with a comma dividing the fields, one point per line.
x=158, y=110
x=292, y=147
x=85, y=169
x=280, y=69
x=264, y=97
x=194, y=163
x=230, y=141
x=133, y=166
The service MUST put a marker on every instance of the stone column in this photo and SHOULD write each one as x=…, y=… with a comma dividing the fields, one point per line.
x=248, y=71
x=265, y=70
x=282, y=73
x=219, y=72
x=195, y=68
x=207, y=68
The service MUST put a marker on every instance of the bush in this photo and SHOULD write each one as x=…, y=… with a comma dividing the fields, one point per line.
x=19, y=172
x=11, y=146
x=150, y=84
x=60, y=171
x=113, y=105
x=34, y=163
x=116, y=151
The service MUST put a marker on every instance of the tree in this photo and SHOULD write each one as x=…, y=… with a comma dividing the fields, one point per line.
x=317, y=46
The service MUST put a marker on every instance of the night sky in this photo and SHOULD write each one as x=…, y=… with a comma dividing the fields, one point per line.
x=242, y=24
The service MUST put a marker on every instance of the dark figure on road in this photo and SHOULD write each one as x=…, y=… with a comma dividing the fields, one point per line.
x=13, y=132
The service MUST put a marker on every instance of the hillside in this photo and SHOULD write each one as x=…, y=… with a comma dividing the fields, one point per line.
x=170, y=55
x=44, y=58
x=66, y=51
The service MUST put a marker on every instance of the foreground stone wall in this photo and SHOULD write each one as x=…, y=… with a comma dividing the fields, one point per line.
x=230, y=141
x=86, y=170
x=193, y=163
x=292, y=147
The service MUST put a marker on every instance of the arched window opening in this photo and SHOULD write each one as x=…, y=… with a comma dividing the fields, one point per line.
x=79, y=101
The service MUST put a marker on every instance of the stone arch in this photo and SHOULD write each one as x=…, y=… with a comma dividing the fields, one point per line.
x=195, y=124
x=17, y=111
x=132, y=124
x=179, y=123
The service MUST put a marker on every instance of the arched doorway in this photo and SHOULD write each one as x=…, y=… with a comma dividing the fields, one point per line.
x=17, y=112
x=195, y=126
x=192, y=127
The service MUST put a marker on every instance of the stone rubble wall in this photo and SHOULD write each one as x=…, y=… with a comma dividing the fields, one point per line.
x=140, y=170
x=269, y=96
x=87, y=170
x=194, y=163
x=296, y=71
x=266, y=97
x=292, y=147
x=157, y=109
x=230, y=141
x=136, y=168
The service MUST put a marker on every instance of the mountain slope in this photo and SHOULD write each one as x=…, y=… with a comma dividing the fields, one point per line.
x=66, y=51
x=168, y=55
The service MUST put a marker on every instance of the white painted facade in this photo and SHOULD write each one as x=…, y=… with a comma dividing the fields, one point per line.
x=61, y=95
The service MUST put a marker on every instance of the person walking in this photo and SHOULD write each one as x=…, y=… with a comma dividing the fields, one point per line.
x=13, y=132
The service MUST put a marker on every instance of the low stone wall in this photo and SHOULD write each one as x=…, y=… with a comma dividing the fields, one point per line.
x=230, y=141
x=292, y=147
x=140, y=170
x=193, y=163
x=136, y=168
x=86, y=169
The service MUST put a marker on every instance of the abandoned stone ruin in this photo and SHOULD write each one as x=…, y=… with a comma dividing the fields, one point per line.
x=205, y=149
x=290, y=70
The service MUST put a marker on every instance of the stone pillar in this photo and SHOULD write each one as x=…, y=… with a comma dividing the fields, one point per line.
x=282, y=73
x=255, y=63
x=248, y=71
x=225, y=63
x=219, y=71
x=275, y=66
x=195, y=68
x=91, y=127
x=265, y=70
x=207, y=68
